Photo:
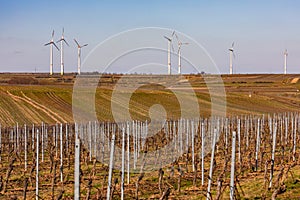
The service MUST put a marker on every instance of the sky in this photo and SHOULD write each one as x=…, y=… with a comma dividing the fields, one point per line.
x=261, y=30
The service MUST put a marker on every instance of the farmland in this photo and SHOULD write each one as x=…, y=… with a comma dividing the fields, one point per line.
x=260, y=108
x=29, y=98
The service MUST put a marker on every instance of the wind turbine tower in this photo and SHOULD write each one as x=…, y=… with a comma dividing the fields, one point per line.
x=179, y=53
x=169, y=51
x=62, y=40
x=285, y=60
x=51, y=43
x=79, y=55
x=231, y=54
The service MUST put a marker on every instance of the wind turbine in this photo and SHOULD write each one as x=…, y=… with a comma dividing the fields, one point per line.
x=179, y=52
x=285, y=60
x=169, y=51
x=79, y=54
x=62, y=40
x=231, y=54
x=51, y=43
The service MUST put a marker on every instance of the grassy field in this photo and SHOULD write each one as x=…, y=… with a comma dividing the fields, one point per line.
x=32, y=98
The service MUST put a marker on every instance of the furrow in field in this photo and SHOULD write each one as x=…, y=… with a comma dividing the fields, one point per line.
x=58, y=100
x=61, y=107
x=45, y=109
x=50, y=113
x=13, y=111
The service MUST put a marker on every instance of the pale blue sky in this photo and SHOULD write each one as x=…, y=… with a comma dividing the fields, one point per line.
x=261, y=30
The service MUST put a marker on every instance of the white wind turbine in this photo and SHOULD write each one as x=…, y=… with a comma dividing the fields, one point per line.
x=231, y=54
x=285, y=60
x=169, y=51
x=51, y=43
x=79, y=55
x=62, y=40
x=179, y=52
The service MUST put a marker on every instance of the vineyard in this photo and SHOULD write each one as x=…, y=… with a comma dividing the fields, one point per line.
x=252, y=153
x=242, y=157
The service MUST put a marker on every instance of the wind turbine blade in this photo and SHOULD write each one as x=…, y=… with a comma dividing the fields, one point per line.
x=52, y=33
x=167, y=38
x=232, y=44
x=66, y=42
x=173, y=33
x=47, y=43
x=172, y=47
x=84, y=45
x=76, y=42
x=176, y=37
x=55, y=46
x=59, y=40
